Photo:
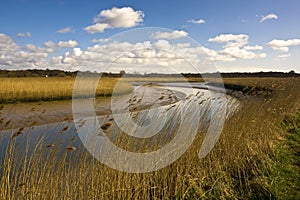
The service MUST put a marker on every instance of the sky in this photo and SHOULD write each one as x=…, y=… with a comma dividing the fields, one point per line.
x=151, y=36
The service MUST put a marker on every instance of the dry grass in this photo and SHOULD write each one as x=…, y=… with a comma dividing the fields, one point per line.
x=237, y=168
x=61, y=88
x=163, y=79
x=46, y=89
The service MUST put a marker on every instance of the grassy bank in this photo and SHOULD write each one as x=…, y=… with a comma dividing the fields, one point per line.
x=258, y=128
x=243, y=165
x=284, y=175
x=52, y=88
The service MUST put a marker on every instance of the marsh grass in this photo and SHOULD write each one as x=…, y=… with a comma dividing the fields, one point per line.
x=32, y=89
x=53, y=88
x=163, y=79
x=239, y=167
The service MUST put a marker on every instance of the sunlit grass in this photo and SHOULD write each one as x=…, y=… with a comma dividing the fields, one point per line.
x=60, y=88
x=52, y=88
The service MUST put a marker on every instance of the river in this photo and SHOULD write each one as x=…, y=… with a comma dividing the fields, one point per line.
x=154, y=116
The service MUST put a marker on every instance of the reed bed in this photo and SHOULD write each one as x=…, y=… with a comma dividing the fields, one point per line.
x=53, y=88
x=32, y=89
x=239, y=167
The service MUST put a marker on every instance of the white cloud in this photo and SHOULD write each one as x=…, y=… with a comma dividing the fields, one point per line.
x=28, y=34
x=77, y=51
x=160, y=52
x=283, y=45
x=15, y=57
x=100, y=40
x=236, y=52
x=119, y=54
x=163, y=44
x=65, y=30
x=67, y=44
x=199, y=21
x=129, y=54
x=236, y=47
x=210, y=54
x=231, y=40
x=170, y=35
x=50, y=44
x=96, y=28
x=268, y=17
x=251, y=48
x=34, y=49
x=282, y=49
x=283, y=56
x=124, y=17
x=7, y=45
x=183, y=45
x=262, y=55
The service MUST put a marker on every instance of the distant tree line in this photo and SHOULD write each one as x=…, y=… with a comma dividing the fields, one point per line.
x=36, y=73
x=61, y=73
x=54, y=73
x=256, y=74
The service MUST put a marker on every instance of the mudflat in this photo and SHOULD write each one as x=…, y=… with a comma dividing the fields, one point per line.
x=19, y=115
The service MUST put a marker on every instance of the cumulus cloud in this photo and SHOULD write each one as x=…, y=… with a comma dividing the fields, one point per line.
x=129, y=54
x=236, y=47
x=231, y=40
x=15, y=57
x=65, y=30
x=283, y=45
x=199, y=21
x=97, y=57
x=28, y=34
x=268, y=17
x=251, y=48
x=242, y=53
x=50, y=44
x=100, y=40
x=34, y=49
x=124, y=17
x=96, y=28
x=7, y=44
x=169, y=35
x=163, y=44
x=161, y=52
x=284, y=56
x=209, y=54
x=66, y=44
x=116, y=54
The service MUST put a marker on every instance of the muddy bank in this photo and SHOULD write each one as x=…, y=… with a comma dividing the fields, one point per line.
x=242, y=91
x=237, y=91
x=19, y=115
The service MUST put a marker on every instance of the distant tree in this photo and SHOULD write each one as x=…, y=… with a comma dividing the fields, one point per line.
x=292, y=72
x=61, y=74
x=122, y=72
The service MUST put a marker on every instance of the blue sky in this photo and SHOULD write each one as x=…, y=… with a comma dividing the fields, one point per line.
x=248, y=35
